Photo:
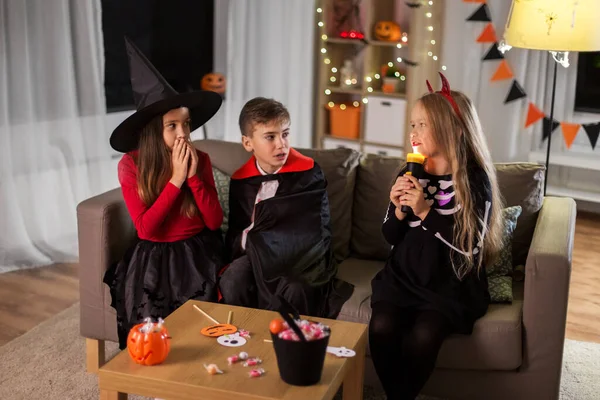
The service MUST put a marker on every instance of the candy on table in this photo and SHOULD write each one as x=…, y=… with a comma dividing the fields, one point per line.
x=212, y=369
x=255, y=373
x=311, y=331
x=252, y=362
x=244, y=333
x=237, y=357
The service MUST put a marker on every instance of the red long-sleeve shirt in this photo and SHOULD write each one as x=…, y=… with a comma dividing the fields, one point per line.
x=163, y=221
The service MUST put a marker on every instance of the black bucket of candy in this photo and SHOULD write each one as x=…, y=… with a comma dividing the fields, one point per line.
x=300, y=348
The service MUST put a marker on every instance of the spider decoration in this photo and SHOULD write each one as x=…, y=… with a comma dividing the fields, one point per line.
x=550, y=19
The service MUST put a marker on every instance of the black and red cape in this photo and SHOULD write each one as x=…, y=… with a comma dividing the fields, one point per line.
x=291, y=236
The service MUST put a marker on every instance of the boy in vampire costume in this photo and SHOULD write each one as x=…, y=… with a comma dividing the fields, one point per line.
x=279, y=237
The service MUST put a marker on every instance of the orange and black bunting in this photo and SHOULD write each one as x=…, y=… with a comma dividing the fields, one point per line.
x=569, y=132
x=503, y=72
x=488, y=35
x=555, y=125
x=481, y=15
x=516, y=92
x=533, y=115
x=592, y=130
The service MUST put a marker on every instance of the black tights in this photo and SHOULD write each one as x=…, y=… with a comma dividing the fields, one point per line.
x=404, y=346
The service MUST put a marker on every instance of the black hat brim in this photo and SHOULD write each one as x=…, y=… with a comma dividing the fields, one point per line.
x=203, y=105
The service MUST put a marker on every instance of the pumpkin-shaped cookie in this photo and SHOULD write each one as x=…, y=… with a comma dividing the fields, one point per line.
x=218, y=330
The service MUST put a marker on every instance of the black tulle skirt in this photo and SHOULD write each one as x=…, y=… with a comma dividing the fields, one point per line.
x=154, y=278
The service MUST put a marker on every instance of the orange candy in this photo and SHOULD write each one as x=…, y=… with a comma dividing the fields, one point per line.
x=276, y=326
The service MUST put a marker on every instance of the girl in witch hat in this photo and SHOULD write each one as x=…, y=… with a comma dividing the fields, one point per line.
x=170, y=193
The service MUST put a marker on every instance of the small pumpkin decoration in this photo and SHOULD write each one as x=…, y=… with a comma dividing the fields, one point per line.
x=388, y=31
x=149, y=343
x=214, y=82
x=218, y=330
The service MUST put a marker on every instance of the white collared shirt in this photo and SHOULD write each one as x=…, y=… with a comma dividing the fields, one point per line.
x=266, y=191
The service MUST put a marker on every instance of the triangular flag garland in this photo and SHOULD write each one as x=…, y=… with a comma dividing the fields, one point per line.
x=534, y=114
x=503, y=72
x=488, y=35
x=516, y=92
x=593, y=131
x=569, y=132
x=555, y=125
x=493, y=53
x=481, y=15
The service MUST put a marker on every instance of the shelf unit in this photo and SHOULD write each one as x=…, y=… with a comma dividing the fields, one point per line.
x=368, y=55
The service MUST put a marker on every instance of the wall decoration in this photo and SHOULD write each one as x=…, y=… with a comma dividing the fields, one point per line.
x=214, y=82
x=387, y=31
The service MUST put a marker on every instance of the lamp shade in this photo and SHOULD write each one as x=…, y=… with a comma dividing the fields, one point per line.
x=554, y=25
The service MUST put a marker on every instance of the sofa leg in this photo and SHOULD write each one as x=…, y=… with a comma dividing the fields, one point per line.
x=94, y=350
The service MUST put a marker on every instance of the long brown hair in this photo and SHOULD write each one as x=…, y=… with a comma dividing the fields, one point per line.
x=153, y=162
x=462, y=143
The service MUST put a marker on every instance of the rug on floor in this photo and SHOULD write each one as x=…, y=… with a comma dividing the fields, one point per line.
x=48, y=362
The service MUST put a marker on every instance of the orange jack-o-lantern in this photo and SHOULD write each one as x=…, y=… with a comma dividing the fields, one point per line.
x=388, y=31
x=218, y=330
x=148, y=348
x=214, y=82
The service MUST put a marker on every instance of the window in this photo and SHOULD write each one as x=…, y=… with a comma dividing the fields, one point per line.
x=176, y=36
x=587, y=93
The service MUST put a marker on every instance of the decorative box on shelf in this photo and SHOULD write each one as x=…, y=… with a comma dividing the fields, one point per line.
x=344, y=120
x=385, y=120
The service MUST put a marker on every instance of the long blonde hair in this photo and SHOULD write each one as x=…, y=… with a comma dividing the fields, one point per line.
x=153, y=162
x=462, y=143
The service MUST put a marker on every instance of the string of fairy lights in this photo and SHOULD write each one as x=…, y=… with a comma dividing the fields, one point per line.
x=372, y=78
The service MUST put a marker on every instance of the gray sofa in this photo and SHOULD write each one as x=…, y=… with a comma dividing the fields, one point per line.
x=515, y=351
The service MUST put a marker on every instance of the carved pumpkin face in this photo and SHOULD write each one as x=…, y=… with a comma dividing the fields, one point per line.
x=148, y=348
x=214, y=82
x=218, y=330
x=388, y=31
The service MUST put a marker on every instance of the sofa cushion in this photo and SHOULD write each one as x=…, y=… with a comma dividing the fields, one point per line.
x=500, y=272
x=226, y=156
x=338, y=165
x=222, y=185
x=495, y=343
x=371, y=197
x=521, y=184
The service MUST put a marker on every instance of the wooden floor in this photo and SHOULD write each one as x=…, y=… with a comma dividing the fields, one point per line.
x=29, y=297
x=583, y=317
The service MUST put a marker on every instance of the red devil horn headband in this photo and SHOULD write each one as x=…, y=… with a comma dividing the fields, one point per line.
x=446, y=93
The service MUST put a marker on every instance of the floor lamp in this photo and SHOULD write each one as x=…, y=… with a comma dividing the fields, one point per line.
x=557, y=26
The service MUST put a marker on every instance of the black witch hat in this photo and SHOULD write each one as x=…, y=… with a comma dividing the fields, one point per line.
x=154, y=96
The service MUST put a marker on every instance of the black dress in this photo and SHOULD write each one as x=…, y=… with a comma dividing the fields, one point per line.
x=418, y=274
x=155, y=278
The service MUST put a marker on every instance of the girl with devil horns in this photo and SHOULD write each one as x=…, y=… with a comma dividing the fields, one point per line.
x=170, y=193
x=434, y=283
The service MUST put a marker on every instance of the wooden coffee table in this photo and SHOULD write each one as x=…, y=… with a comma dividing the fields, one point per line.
x=183, y=376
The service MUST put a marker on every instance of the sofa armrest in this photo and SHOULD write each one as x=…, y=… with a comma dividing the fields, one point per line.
x=105, y=232
x=547, y=276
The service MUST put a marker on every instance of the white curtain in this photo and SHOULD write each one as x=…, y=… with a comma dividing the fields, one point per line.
x=270, y=54
x=504, y=123
x=54, y=129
